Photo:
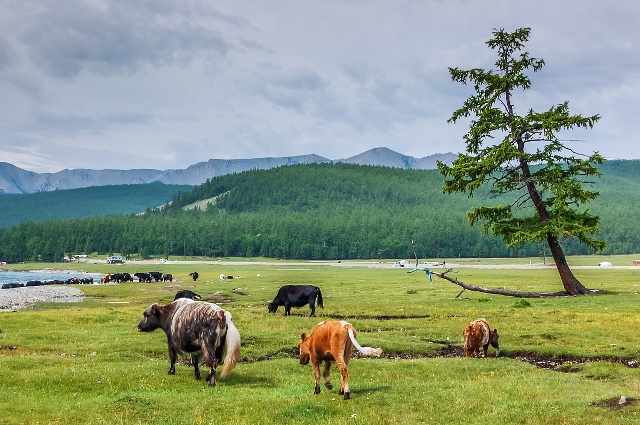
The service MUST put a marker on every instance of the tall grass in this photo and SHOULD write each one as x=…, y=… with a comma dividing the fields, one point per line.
x=85, y=362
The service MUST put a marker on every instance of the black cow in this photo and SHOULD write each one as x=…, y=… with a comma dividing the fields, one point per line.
x=196, y=327
x=186, y=293
x=156, y=276
x=117, y=277
x=194, y=275
x=143, y=277
x=296, y=296
x=168, y=277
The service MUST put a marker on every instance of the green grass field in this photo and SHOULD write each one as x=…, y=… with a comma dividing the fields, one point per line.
x=85, y=363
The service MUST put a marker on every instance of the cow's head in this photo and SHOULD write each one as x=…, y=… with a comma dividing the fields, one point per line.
x=493, y=340
x=304, y=349
x=150, y=319
x=273, y=307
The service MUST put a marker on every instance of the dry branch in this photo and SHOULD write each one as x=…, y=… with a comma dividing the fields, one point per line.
x=498, y=291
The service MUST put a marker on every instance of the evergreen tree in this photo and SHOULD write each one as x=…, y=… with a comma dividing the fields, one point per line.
x=529, y=159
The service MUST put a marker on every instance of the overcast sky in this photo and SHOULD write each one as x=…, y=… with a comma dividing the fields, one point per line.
x=164, y=84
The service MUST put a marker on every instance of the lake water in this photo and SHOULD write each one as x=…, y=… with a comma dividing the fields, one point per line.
x=24, y=277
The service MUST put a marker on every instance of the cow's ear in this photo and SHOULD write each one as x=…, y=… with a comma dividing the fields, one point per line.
x=155, y=309
x=303, y=337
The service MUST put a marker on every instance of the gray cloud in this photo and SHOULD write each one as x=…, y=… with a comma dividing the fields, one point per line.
x=65, y=38
x=172, y=83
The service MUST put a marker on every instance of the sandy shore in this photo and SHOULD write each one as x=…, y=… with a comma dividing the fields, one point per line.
x=17, y=298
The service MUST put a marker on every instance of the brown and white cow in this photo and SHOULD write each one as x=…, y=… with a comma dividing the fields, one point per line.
x=332, y=341
x=479, y=335
x=196, y=327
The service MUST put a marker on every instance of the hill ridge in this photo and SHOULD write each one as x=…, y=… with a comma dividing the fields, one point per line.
x=15, y=180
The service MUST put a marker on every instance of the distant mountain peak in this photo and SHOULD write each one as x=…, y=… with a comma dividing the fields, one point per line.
x=17, y=180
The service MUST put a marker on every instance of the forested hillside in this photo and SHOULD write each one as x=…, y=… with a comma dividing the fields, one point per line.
x=319, y=211
x=87, y=202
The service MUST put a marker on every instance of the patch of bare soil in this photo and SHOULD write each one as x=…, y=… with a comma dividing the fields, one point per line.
x=376, y=317
x=616, y=403
x=561, y=363
x=566, y=362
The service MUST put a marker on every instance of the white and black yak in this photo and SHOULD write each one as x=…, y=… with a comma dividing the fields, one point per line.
x=197, y=328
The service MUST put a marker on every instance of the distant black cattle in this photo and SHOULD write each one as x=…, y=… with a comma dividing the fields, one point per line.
x=168, y=277
x=185, y=293
x=194, y=275
x=296, y=296
x=12, y=285
x=156, y=276
x=117, y=277
x=143, y=277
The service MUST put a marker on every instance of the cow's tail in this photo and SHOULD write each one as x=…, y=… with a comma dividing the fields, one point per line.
x=367, y=351
x=319, y=297
x=231, y=346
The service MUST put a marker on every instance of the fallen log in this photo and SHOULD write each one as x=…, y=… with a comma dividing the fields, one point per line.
x=498, y=291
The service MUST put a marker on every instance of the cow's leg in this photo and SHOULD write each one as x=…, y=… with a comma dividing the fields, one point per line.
x=209, y=352
x=326, y=374
x=196, y=367
x=484, y=350
x=211, y=377
x=344, y=384
x=312, y=305
x=173, y=356
x=287, y=309
x=343, y=364
x=316, y=374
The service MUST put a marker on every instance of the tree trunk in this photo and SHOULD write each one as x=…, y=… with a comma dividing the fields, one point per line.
x=572, y=285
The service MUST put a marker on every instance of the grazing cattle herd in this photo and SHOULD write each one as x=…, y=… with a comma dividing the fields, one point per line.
x=70, y=281
x=109, y=278
x=203, y=329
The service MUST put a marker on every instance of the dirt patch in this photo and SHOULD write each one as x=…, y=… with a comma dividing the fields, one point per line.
x=616, y=403
x=377, y=317
x=218, y=299
x=562, y=363
x=566, y=362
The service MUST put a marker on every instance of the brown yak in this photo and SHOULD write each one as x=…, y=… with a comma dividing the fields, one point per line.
x=479, y=335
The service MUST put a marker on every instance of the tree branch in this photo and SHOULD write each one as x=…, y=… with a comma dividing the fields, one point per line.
x=497, y=291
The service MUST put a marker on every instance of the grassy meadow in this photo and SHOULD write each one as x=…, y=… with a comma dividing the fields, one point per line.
x=85, y=363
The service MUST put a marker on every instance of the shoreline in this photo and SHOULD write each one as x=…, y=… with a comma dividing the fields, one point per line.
x=15, y=299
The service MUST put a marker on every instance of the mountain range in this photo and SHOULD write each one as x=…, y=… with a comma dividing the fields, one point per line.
x=16, y=180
